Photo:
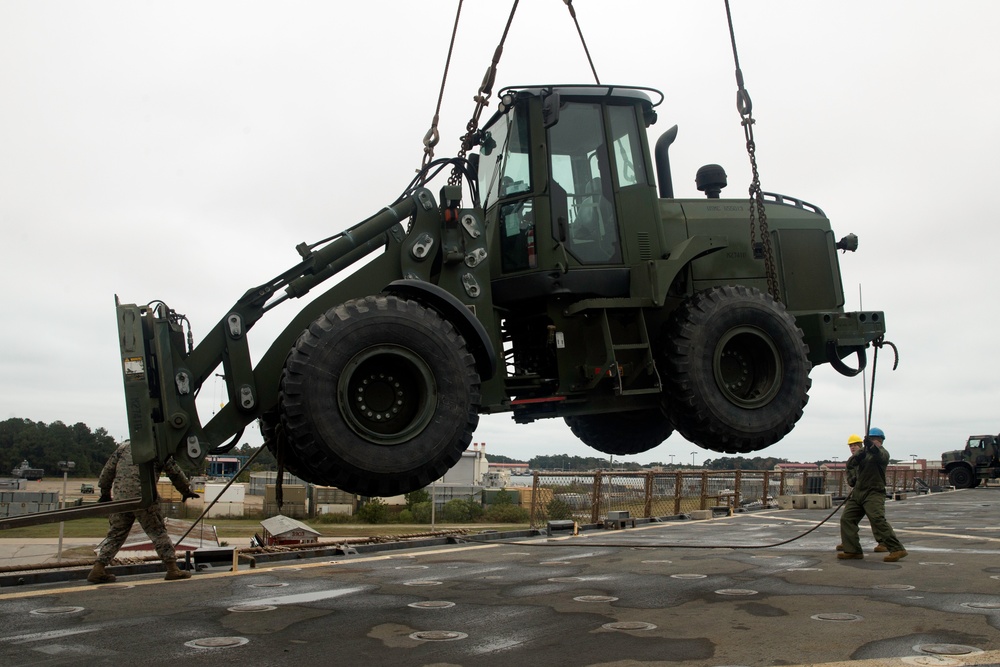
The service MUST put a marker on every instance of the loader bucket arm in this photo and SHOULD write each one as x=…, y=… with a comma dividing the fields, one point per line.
x=162, y=375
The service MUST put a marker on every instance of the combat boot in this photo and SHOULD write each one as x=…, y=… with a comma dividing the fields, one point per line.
x=99, y=576
x=174, y=572
x=881, y=549
x=895, y=555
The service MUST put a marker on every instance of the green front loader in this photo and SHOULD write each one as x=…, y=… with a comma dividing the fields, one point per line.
x=554, y=276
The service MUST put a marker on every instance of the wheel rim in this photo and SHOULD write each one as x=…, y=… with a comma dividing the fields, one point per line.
x=747, y=367
x=387, y=394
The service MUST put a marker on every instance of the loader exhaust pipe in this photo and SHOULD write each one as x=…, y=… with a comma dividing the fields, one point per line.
x=666, y=183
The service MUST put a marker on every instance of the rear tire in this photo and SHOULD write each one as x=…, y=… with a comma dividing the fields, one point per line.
x=960, y=477
x=622, y=433
x=380, y=397
x=738, y=370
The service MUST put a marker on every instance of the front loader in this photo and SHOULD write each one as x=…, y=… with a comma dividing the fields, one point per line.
x=572, y=285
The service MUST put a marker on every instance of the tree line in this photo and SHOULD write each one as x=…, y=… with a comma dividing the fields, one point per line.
x=585, y=463
x=45, y=445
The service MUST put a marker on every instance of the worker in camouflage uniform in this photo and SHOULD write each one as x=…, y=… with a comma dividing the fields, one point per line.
x=121, y=475
x=854, y=443
x=867, y=499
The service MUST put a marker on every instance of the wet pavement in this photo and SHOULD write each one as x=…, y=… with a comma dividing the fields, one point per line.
x=725, y=591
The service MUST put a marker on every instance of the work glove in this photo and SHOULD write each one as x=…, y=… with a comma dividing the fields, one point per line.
x=189, y=494
x=105, y=496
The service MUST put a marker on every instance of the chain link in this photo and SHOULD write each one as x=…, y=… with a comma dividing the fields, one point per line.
x=745, y=108
x=757, y=212
x=482, y=100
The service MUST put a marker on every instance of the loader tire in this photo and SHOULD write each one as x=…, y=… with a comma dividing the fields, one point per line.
x=379, y=397
x=960, y=477
x=622, y=433
x=269, y=423
x=737, y=369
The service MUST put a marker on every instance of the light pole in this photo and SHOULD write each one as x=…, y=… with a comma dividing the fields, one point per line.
x=671, y=460
x=65, y=466
x=914, y=462
x=692, y=458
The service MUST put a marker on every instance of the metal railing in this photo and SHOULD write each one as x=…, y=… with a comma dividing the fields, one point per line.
x=588, y=497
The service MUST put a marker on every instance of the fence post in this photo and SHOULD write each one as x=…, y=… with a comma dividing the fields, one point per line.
x=678, y=489
x=595, y=507
x=704, y=490
x=736, y=488
x=534, y=501
x=649, y=495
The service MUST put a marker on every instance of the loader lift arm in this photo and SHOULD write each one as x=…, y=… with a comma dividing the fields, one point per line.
x=162, y=377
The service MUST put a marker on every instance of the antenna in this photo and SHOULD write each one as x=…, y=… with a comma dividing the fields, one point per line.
x=864, y=373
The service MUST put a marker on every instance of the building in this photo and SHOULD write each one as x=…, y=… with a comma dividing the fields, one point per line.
x=224, y=466
x=281, y=530
x=513, y=468
x=470, y=469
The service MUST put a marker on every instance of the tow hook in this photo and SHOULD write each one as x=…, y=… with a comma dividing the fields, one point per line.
x=833, y=356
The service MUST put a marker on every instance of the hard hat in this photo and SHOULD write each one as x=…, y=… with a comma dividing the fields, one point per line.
x=854, y=439
x=876, y=433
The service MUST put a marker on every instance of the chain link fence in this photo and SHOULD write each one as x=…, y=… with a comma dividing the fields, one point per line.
x=589, y=497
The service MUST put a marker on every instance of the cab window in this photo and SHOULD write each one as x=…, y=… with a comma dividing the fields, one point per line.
x=581, y=195
x=627, y=151
x=505, y=172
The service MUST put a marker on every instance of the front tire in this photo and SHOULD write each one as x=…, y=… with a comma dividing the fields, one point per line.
x=738, y=370
x=380, y=397
x=622, y=433
x=960, y=477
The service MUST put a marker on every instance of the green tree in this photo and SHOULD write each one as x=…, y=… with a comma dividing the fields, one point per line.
x=422, y=512
x=458, y=510
x=374, y=511
x=416, y=497
x=506, y=513
x=499, y=458
x=503, y=497
x=45, y=445
x=557, y=508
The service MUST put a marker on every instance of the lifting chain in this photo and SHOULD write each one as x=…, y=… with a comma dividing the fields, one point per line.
x=433, y=136
x=482, y=99
x=745, y=108
x=572, y=12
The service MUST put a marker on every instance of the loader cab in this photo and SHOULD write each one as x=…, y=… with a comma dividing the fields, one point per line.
x=567, y=185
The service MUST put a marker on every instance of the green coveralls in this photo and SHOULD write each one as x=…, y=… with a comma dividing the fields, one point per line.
x=867, y=499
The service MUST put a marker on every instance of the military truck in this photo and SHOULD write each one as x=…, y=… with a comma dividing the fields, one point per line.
x=980, y=460
x=25, y=471
x=571, y=284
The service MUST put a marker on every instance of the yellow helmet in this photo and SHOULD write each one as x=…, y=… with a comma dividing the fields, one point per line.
x=854, y=439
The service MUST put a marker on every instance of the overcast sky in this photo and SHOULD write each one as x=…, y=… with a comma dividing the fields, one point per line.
x=180, y=150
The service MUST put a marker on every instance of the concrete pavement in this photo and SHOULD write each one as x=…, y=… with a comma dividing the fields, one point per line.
x=727, y=591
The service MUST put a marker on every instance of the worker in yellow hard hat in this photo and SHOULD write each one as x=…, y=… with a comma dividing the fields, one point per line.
x=867, y=499
x=854, y=443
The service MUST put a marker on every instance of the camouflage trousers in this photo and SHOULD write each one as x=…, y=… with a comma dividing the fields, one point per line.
x=151, y=520
x=871, y=505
